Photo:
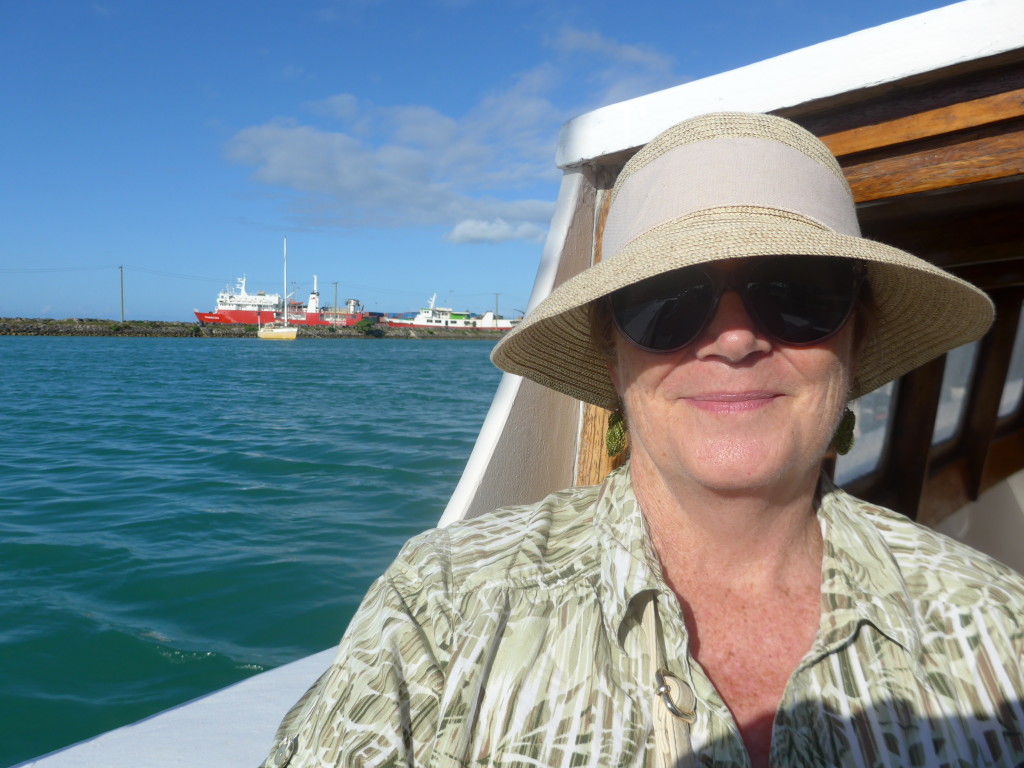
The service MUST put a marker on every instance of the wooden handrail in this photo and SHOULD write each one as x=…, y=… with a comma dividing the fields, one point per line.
x=929, y=123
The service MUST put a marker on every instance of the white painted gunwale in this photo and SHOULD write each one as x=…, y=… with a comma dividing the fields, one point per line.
x=235, y=727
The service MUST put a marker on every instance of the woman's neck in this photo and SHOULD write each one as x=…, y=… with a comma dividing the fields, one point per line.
x=753, y=539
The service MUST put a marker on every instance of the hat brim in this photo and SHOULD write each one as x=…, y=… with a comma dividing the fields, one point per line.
x=920, y=311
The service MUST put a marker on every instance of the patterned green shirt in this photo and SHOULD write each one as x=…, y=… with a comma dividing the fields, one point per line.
x=514, y=639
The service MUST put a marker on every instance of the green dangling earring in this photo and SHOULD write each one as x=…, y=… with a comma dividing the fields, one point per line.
x=843, y=439
x=615, y=437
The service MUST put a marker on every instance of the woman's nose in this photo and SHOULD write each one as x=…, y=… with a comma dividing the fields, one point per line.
x=731, y=334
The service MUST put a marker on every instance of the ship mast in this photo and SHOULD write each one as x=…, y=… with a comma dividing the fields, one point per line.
x=284, y=293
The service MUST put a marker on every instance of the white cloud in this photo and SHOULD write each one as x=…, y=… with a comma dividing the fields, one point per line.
x=344, y=106
x=406, y=166
x=572, y=40
x=486, y=175
x=497, y=230
x=292, y=72
x=619, y=71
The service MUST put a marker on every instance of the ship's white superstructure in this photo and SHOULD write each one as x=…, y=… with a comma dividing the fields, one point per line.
x=443, y=318
x=240, y=299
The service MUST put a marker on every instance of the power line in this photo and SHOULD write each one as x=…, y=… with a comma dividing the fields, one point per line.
x=30, y=270
x=147, y=270
x=162, y=273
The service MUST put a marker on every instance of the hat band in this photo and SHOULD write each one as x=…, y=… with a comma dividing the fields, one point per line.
x=738, y=171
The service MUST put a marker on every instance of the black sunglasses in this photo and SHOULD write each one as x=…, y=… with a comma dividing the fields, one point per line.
x=794, y=300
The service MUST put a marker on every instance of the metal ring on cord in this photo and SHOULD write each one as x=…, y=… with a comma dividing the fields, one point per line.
x=665, y=691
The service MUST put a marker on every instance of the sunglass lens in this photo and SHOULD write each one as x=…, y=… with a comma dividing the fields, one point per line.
x=802, y=299
x=665, y=312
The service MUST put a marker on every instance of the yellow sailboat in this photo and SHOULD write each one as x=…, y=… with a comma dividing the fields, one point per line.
x=275, y=331
x=279, y=329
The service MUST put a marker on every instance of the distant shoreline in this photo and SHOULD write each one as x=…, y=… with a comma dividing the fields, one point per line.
x=21, y=326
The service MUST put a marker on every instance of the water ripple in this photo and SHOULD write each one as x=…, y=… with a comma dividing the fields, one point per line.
x=178, y=514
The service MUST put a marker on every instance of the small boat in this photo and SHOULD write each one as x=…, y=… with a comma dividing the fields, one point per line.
x=432, y=318
x=280, y=329
x=276, y=331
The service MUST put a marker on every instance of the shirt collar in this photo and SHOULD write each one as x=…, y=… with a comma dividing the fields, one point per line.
x=861, y=582
x=629, y=565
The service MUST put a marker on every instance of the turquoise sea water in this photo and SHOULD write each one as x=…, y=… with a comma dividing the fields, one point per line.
x=178, y=514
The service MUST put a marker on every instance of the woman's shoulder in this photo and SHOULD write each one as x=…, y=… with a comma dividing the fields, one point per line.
x=535, y=544
x=937, y=567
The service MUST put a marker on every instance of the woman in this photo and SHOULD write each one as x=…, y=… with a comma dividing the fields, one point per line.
x=715, y=601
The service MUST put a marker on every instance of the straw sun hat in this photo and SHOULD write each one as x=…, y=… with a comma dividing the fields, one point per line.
x=734, y=185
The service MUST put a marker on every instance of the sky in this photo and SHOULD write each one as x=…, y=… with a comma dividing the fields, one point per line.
x=403, y=148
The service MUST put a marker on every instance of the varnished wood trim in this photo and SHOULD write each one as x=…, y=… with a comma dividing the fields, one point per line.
x=899, y=479
x=961, y=82
x=994, y=275
x=933, y=122
x=973, y=160
x=944, y=493
x=986, y=390
x=1004, y=458
x=983, y=246
x=947, y=490
x=910, y=435
x=594, y=463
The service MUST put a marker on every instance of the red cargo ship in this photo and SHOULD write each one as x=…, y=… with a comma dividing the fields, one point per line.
x=241, y=307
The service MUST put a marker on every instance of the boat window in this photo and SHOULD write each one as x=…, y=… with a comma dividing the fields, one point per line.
x=955, y=379
x=1014, y=386
x=872, y=412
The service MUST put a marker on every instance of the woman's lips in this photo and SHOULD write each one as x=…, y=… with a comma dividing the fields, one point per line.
x=732, y=402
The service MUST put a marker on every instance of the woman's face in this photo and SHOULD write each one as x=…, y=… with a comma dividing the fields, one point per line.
x=734, y=411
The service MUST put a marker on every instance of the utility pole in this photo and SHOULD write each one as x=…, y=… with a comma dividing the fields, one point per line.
x=121, y=271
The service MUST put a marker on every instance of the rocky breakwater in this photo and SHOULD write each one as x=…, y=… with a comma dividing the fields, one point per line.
x=76, y=326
